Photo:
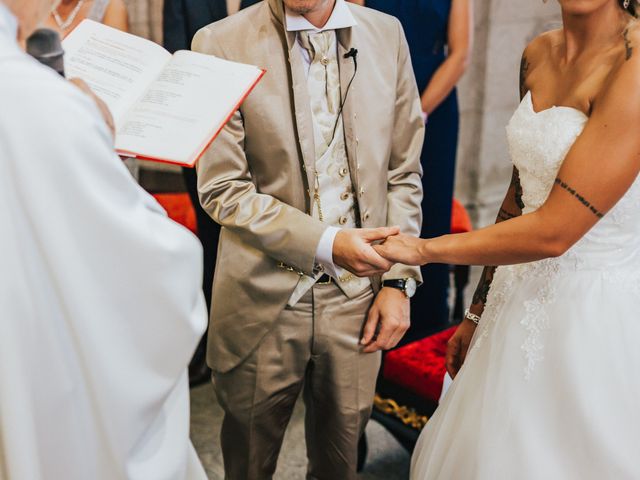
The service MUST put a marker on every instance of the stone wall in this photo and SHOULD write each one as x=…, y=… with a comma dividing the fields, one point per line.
x=489, y=95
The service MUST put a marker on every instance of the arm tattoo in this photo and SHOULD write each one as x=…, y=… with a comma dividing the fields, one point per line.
x=524, y=68
x=627, y=44
x=481, y=293
x=579, y=197
x=504, y=215
x=518, y=188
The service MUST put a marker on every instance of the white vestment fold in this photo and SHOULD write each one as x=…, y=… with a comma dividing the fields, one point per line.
x=100, y=298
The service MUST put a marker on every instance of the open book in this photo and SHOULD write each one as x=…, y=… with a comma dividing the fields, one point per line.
x=166, y=108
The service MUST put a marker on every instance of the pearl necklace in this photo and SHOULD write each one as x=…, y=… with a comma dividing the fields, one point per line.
x=64, y=25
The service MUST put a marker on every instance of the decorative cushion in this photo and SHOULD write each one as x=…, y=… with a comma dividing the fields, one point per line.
x=179, y=208
x=419, y=366
x=460, y=221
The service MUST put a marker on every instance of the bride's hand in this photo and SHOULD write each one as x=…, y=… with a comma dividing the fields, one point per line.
x=458, y=345
x=402, y=249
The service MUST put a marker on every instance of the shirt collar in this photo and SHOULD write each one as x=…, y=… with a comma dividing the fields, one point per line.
x=341, y=17
x=8, y=23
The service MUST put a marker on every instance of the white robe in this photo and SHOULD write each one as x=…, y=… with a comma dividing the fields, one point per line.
x=100, y=301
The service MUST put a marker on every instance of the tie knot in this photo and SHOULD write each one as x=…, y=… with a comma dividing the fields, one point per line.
x=317, y=44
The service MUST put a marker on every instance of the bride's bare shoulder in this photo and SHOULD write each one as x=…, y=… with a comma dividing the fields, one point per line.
x=543, y=45
x=537, y=53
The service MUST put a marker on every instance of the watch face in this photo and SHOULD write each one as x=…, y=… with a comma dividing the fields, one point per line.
x=410, y=287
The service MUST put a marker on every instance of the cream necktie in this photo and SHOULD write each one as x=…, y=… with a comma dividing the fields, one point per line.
x=323, y=82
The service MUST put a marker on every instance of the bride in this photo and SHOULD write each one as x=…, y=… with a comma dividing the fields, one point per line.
x=549, y=388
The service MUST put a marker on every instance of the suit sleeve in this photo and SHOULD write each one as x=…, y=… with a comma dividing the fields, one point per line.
x=405, y=172
x=174, y=26
x=229, y=195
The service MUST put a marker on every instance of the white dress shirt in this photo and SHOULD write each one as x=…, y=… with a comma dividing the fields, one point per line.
x=100, y=297
x=341, y=17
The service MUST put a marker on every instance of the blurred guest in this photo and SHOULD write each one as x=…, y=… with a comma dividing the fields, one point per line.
x=440, y=34
x=181, y=20
x=100, y=302
x=69, y=13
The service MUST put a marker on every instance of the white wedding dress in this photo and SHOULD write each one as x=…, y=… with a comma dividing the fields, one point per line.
x=550, y=389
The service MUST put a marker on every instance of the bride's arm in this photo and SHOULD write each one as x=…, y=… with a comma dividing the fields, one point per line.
x=597, y=172
x=511, y=207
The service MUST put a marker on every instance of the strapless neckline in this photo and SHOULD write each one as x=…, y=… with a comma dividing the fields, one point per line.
x=529, y=99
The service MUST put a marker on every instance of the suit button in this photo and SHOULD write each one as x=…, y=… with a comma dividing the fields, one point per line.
x=361, y=191
x=344, y=171
x=343, y=220
x=357, y=141
x=344, y=196
x=366, y=216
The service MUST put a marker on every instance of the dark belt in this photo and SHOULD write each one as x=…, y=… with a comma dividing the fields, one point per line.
x=324, y=280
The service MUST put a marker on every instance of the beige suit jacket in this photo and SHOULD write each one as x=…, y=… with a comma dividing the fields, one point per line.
x=254, y=179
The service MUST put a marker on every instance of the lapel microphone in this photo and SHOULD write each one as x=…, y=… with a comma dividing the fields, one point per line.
x=353, y=53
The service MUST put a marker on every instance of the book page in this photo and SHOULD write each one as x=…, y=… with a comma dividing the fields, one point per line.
x=183, y=109
x=116, y=65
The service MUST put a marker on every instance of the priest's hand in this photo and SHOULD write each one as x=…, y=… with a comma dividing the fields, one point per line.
x=403, y=249
x=104, y=110
x=387, y=322
x=353, y=250
x=458, y=346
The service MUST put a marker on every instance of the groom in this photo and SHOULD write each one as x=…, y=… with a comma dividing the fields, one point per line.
x=321, y=161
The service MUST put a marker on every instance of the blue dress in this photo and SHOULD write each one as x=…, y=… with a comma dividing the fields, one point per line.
x=425, y=24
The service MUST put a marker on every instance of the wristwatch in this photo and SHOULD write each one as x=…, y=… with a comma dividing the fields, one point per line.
x=408, y=286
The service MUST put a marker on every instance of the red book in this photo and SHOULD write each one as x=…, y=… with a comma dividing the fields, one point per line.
x=167, y=108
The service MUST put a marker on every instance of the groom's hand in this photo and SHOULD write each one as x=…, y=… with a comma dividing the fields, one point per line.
x=353, y=250
x=387, y=322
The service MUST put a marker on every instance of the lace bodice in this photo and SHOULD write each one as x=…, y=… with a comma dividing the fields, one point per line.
x=538, y=143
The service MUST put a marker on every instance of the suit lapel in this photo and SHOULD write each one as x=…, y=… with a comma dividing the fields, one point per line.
x=302, y=108
x=346, y=41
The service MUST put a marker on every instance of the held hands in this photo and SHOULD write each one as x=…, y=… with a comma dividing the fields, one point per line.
x=402, y=249
x=387, y=322
x=353, y=250
x=458, y=346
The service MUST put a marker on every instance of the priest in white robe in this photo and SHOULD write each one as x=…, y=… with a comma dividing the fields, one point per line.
x=100, y=300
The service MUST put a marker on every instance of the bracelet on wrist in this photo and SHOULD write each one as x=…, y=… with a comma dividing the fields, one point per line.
x=472, y=316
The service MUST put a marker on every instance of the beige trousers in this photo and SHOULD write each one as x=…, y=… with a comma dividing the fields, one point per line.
x=313, y=348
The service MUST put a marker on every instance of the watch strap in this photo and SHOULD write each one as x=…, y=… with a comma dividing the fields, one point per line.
x=400, y=283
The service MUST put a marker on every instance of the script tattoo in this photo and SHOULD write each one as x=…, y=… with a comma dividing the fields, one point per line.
x=579, y=197
x=627, y=44
x=524, y=68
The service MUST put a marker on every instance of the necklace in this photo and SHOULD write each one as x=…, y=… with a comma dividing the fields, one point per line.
x=65, y=24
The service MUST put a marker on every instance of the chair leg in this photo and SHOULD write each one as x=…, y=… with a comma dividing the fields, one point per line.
x=363, y=449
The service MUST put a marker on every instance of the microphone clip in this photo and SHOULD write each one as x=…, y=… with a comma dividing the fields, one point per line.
x=353, y=53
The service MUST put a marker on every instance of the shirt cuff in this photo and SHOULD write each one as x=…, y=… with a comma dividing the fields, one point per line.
x=324, y=252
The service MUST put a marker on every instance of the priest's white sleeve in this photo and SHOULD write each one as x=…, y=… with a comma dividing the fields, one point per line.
x=100, y=299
